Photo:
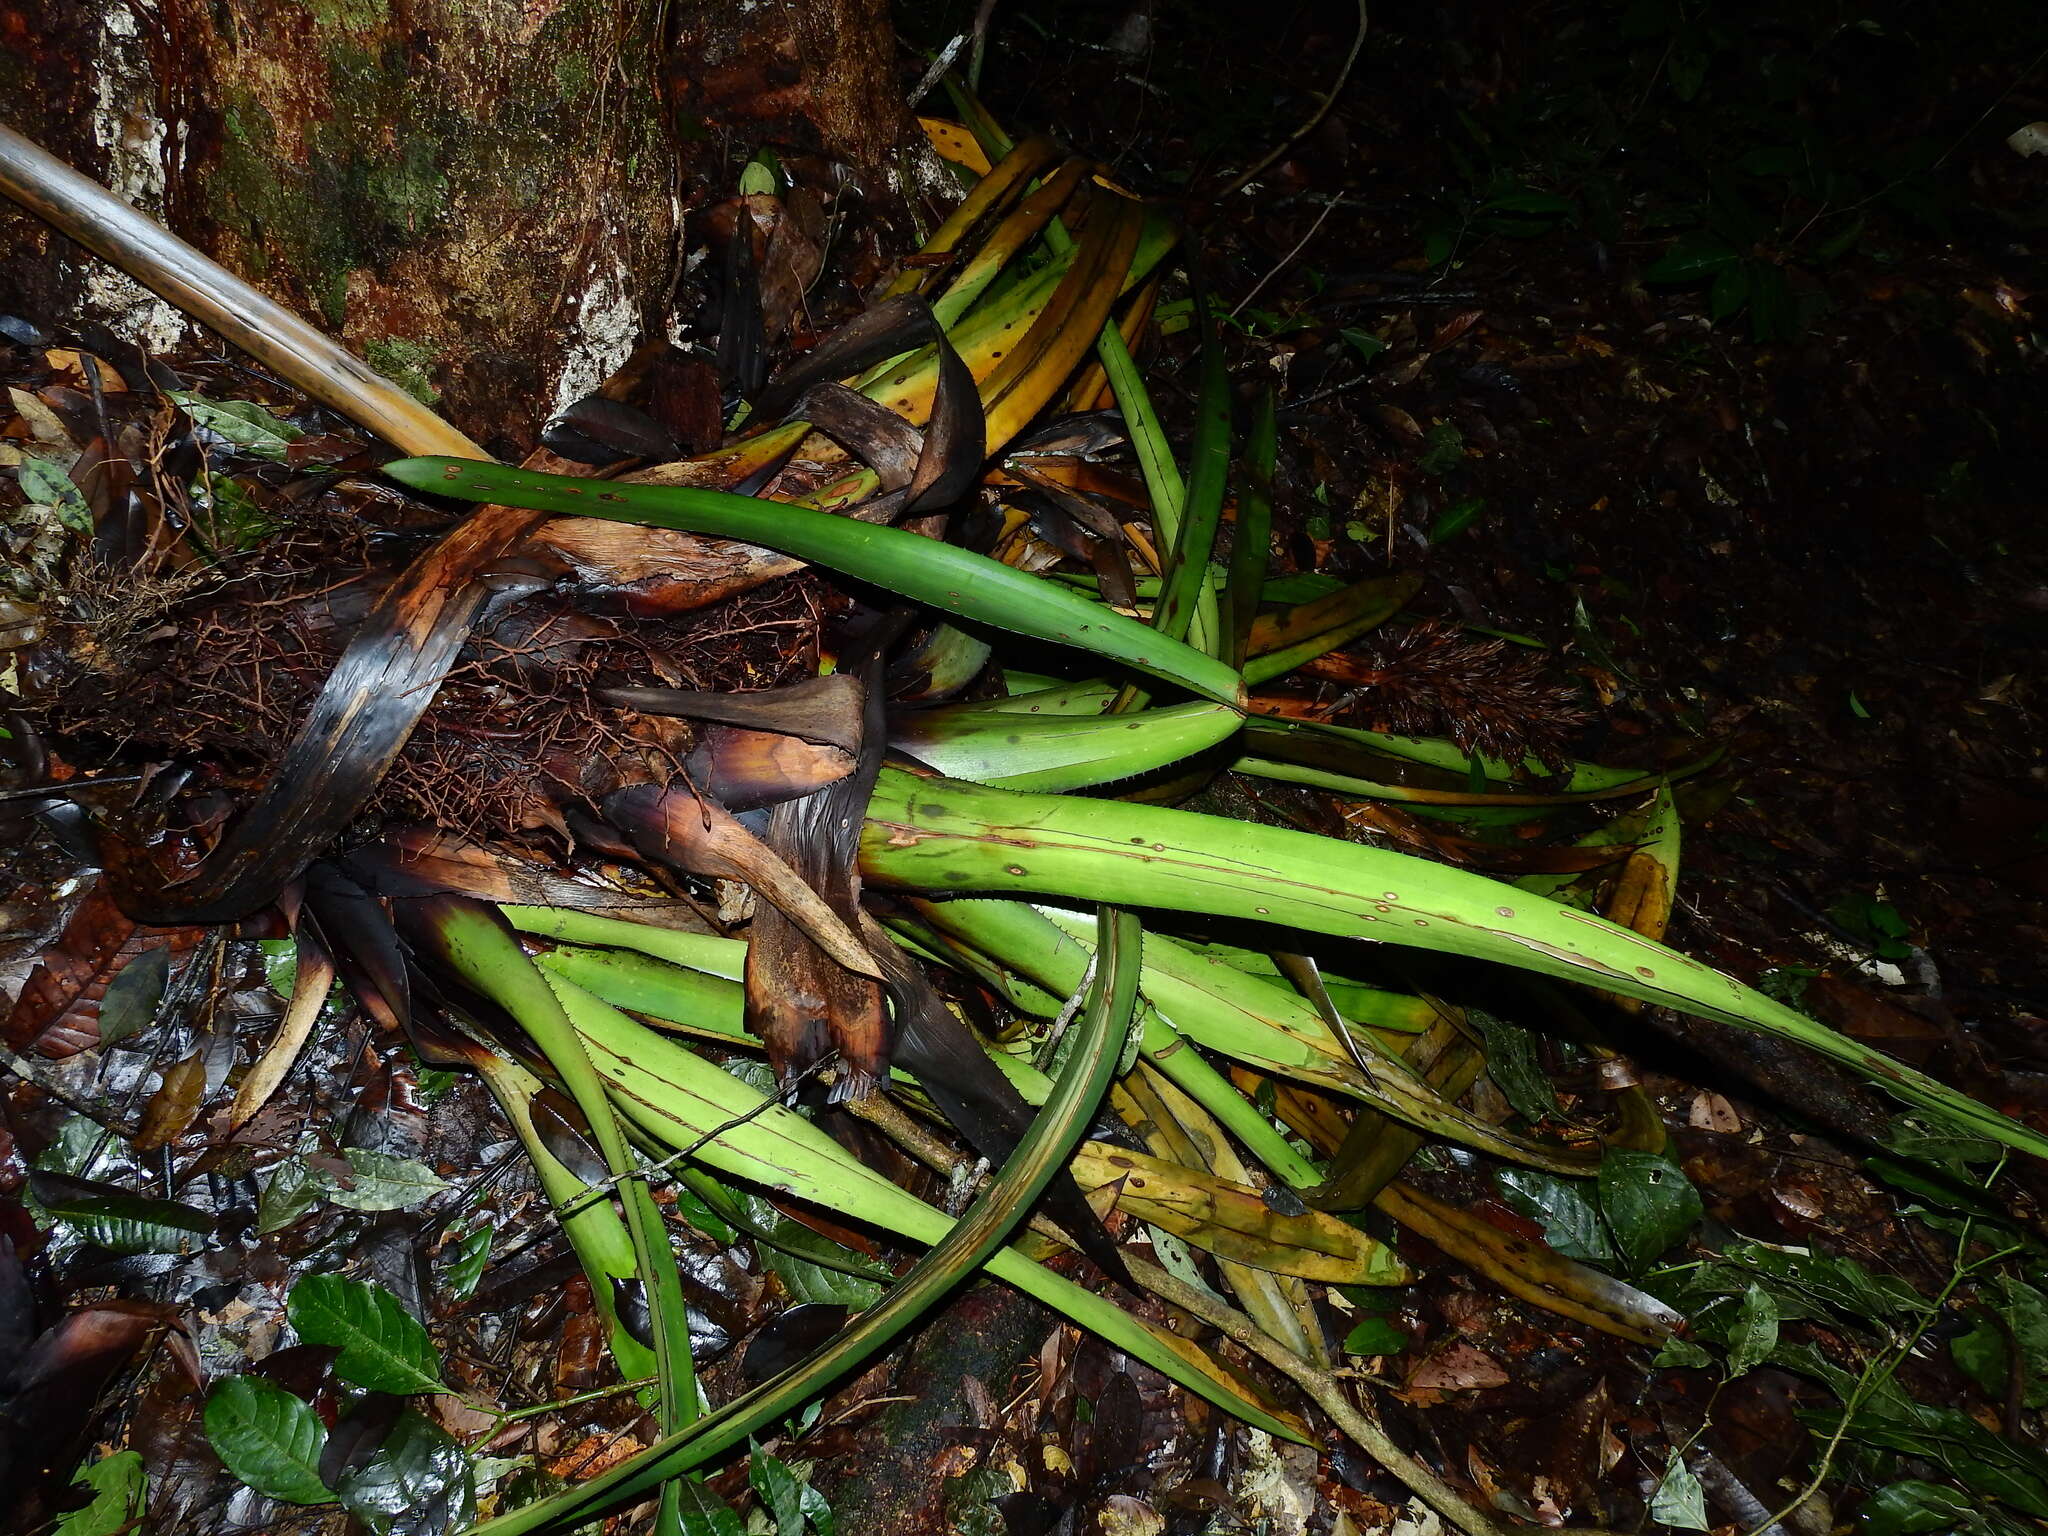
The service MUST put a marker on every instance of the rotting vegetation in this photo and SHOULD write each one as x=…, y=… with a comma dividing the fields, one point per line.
x=1270, y=1083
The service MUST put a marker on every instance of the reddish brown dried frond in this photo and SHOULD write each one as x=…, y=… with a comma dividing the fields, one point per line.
x=1433, y=679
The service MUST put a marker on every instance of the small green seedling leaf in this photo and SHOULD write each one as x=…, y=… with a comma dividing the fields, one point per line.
x=1679, y=1500
x=1755, y=1331
x=268, y=1438
x=120, y=1488
x=383, y=1346
x=1456, y=518
x=1364, y=343
x=1375, y=1336
x=1682, y=1354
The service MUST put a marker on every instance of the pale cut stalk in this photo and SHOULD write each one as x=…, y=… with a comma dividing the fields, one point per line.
x=204, y=289
x=310, y=985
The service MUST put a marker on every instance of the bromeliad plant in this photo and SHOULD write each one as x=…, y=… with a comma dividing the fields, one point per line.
x=910, y=831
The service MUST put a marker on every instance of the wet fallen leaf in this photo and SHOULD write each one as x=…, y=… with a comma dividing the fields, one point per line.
x=175, y=1104
x=1460, y=1368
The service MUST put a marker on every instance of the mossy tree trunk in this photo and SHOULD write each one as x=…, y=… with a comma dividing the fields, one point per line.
x=485, y=198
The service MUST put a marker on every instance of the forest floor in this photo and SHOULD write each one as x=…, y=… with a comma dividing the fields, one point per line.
x=1792, y=514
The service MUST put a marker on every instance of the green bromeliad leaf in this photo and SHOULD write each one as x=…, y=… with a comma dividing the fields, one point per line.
x=936, y=834
x=1059, y=751
x=678, y=1097
x=941, y=576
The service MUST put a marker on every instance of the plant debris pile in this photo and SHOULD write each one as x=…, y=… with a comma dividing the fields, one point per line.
x=1158, y=772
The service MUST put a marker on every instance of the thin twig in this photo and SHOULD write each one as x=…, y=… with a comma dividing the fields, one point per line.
x=937, y=72
x=1279, y=266
x=29, y=1071
x=1329, y=1395
x=651, y=1172
x=1272, y=158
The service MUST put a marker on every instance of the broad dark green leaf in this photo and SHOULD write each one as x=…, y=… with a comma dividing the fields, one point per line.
x=418, y=1482
x=1954, y=1441
x=1511, y=1063
x=794, y=1252
x=292, y=1189
x=1648, y=1202
x=704, y=1513
x=2026, y=1314
x=1571, y=1221
x=132, y=996
x=1730, y=291
x=124, y=1223
x=268, y=1438
x=1982, y=1356
x=1815, y=1285
x=383, y=1346
x=1913, y=1508
x=780, y=1492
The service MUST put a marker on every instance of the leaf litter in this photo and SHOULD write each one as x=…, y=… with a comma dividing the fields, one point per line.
x=1827, y=1345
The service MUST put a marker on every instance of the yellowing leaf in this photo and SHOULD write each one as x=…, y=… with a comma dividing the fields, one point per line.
x=1641, y=898
x=953, y=143
x=1234, y=1221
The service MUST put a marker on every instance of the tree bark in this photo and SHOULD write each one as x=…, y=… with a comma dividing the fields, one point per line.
x=484, y=199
